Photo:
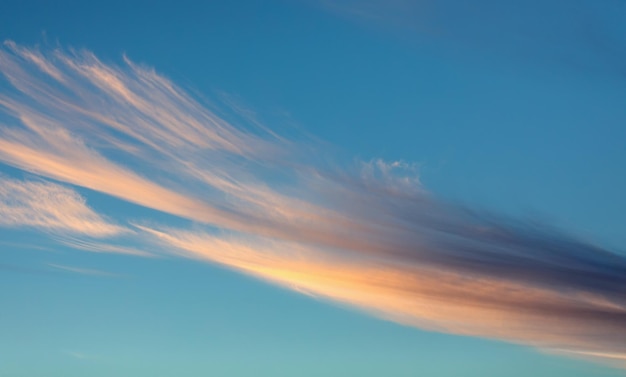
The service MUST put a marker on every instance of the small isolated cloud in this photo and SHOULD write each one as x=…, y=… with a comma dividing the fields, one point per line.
x=50, y=207
x=366, y=235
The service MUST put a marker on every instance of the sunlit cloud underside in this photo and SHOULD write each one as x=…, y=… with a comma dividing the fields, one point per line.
x=362, y=234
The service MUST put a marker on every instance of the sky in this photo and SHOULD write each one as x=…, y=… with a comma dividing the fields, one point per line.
x=313, y=188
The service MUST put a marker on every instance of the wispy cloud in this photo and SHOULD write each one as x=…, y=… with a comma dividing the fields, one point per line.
x=520, y=285
x=579, y=35
x=80, y=243
x=50, y=207
x=82, y=271
x=367, y=234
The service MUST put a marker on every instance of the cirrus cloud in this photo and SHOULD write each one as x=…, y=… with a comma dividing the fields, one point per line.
x=365, y=235
x=51, y=207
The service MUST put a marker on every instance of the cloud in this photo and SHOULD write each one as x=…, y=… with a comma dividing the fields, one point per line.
x=80, y=243
x=519, y=285
x=50, y=207
x=81, y=271
x=365, y=234
x=579, y=35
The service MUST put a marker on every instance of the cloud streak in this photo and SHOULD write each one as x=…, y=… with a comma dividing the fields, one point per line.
x=82, y=271
x=367, y=235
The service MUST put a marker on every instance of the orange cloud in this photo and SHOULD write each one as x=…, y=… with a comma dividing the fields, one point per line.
x=52, y=207
x=368, y=236
x=436, y=299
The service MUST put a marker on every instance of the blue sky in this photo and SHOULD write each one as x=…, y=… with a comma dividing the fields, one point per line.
x=333, y=187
